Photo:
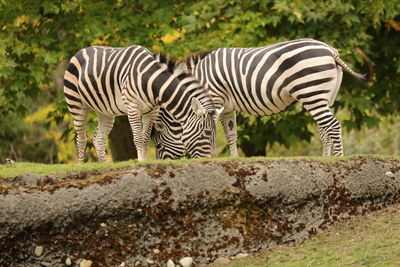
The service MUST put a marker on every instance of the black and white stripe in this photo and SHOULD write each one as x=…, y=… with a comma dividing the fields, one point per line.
x=166, y=132
x=268, y=80
x=133, y=81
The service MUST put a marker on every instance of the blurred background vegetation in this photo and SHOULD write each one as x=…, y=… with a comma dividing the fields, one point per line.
x=37, y=38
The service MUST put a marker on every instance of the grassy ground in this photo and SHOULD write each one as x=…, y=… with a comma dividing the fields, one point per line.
x=370, y=240
x=60, y=169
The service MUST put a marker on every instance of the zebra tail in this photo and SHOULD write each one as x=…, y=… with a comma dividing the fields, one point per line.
x=364, y=78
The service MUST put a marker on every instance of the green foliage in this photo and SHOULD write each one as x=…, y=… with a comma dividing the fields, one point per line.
x=37, y=35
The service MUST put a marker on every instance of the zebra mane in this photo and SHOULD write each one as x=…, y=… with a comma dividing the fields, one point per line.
x=171, y=62
x=175, y=64
x=192, y=60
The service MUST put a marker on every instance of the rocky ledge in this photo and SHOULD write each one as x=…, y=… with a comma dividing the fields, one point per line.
x=160, y=214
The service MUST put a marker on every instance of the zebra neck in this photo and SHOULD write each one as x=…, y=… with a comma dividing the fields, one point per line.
x=179, y=105
x=177, y=93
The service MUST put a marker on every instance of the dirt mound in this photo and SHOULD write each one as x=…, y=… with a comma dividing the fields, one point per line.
x=149, y=214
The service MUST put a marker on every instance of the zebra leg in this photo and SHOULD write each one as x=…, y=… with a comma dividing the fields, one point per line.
x=134, y=117
x=326, y=143
x=332, y=138
x=336, y=137
x=329, y=126
x=80, y=123
x=104, y=126
x=228, y=121
x=148, y=120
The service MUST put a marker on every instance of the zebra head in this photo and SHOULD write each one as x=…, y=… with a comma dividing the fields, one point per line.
x=168, y=137
x=198, y=130
x=195, y=135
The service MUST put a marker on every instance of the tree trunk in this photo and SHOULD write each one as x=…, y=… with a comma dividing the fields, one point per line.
x=121, y=140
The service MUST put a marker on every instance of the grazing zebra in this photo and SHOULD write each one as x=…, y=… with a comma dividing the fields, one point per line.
x=167, y=137
x=268, y=80
x=133, y=81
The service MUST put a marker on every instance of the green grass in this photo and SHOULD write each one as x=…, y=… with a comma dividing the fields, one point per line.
x=58, y=169
x=370, y=240
x=20, y=168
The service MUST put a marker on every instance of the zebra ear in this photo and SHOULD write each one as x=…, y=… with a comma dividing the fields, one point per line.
x=218, y=111
x=159, y=126
x=197, y=107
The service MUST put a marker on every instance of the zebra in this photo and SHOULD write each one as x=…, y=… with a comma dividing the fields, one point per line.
x=135, y=82
x=268, y=80
x=167, y=134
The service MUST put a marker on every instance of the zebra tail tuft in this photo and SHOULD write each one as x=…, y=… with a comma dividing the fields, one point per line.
x=364, y=78
x=368, y=65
